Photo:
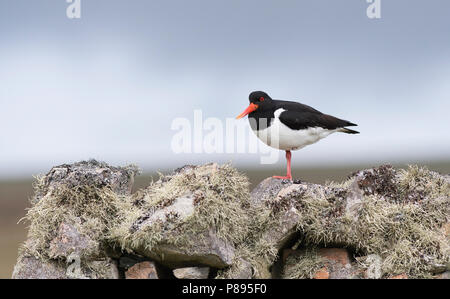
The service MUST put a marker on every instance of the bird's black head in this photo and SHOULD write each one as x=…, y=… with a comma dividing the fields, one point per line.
x=259, y=97
x=259, y=100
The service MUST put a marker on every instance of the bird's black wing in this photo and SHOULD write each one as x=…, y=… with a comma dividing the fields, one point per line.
x=298, y=120
x=295, y=106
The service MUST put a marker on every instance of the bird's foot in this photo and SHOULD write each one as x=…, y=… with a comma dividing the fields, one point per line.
x=282, y=177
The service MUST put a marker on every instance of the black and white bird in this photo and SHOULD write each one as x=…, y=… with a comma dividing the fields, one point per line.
x=289, y=125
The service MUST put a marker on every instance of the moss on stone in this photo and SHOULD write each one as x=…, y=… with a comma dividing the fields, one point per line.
x=404, y=227
x=399, y=217
x=304, y=265
x=84, y=196
x=220, y=197
x=89, y=209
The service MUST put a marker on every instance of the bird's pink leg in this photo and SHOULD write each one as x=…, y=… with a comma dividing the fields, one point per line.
x=289, y=174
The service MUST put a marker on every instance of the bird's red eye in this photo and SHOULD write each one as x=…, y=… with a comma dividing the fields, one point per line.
x=261, y=99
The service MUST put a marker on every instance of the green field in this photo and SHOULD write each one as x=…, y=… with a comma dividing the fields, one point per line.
x=14, y=197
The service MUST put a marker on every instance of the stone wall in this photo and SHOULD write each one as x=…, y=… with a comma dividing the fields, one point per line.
x=203, y=222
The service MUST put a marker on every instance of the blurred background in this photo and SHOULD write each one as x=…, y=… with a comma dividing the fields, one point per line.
x=108, y=85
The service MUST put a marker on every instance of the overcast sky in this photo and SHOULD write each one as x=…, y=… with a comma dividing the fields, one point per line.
x=109, y=85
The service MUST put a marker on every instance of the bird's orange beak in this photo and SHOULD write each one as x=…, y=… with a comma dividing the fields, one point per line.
x=252, y=107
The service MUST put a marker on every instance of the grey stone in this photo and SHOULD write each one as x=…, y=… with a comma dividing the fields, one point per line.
x=209, y=250
x=28, y=267
x=354, y=200
x=183, y=207
x=204, y=246
x=77, y=268
x=71, y=253
x=279, y=193
x=244, y=270
x=267, y=190
x=69, y=240
x=191, y=273
x=91, y=172
x=445, y=275
x=374, y=262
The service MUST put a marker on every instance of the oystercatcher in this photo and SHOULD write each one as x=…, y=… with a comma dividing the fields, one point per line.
x=289, y=125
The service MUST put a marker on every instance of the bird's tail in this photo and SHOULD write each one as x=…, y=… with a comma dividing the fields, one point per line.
x=348, y=131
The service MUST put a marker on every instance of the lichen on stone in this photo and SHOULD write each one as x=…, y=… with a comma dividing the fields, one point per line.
x=72, y=211
x=90, y=210
x=219, y=197
x=398, y=215
x=399, y=218
x=304, y=265
x=393, y=222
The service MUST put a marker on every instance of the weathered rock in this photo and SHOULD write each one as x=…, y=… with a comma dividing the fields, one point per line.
x=324, y=263
x=194, y=216
x=70, y=241
x=92, y=172
x=271, y=197
x=208, y=249
x=354, y=200
x=445, y=275
x=337, y=263
x=286, y=229
x=375, y=210
x=303, y=263
x=396, y=221
x=244, y=270
x=191, y=273
x=182, y=207
x=92, y=269
x=72, y=208
x=267, y=190
x=377, y=180
x=144, y=270
x=240, y=269
x=276, y=193
x=374, y=262
x=337, y=256
x=28, y=267
x=446, y=230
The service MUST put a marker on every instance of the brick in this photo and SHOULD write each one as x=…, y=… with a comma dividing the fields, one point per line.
x=322, y=274
x=400, y=276
x=144, y=270
x=337, y=255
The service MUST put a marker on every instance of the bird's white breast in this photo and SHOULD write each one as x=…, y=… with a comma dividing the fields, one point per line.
x=280, y=136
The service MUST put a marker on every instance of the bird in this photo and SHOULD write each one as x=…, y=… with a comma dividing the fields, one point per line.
x=288, y=125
